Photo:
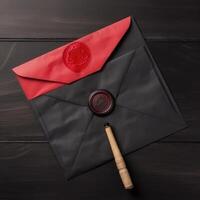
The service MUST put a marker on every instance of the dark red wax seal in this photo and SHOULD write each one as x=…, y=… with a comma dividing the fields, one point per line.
x=76, y=56
x=101, y=102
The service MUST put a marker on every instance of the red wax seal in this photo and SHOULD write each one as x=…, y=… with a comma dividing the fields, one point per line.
x=76, y=56
x=101, y=102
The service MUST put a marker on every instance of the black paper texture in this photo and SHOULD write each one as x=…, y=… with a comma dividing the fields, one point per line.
x=145, y=110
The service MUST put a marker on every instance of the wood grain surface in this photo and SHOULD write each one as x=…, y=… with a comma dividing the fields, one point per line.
x=172, y=19
x=161, y=171
x=165, y=170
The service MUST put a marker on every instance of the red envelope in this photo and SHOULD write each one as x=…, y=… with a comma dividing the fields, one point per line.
x=70, y=62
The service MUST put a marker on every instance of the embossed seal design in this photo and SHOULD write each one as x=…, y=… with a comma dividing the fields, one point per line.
x=76, y=56
x=101, y=102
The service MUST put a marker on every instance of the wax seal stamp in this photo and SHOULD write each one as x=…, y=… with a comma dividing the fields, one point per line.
x=76, y=56
x=101, y=102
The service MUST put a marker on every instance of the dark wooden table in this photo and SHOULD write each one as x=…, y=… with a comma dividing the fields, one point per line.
x=165, y=170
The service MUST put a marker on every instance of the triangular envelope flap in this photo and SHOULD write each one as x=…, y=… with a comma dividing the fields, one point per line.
x=110, y=78
x=61, y=128
x=52, y=66
x=138, y=128
x=147, y=94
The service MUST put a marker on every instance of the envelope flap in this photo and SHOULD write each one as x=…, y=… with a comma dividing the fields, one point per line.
x=110, y=78
x=147, y=93
x=78, y=59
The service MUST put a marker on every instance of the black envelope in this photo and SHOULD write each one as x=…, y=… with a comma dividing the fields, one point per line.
x=145, y=110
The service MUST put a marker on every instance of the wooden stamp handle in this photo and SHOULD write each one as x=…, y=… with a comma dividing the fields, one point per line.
x=119, y=160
